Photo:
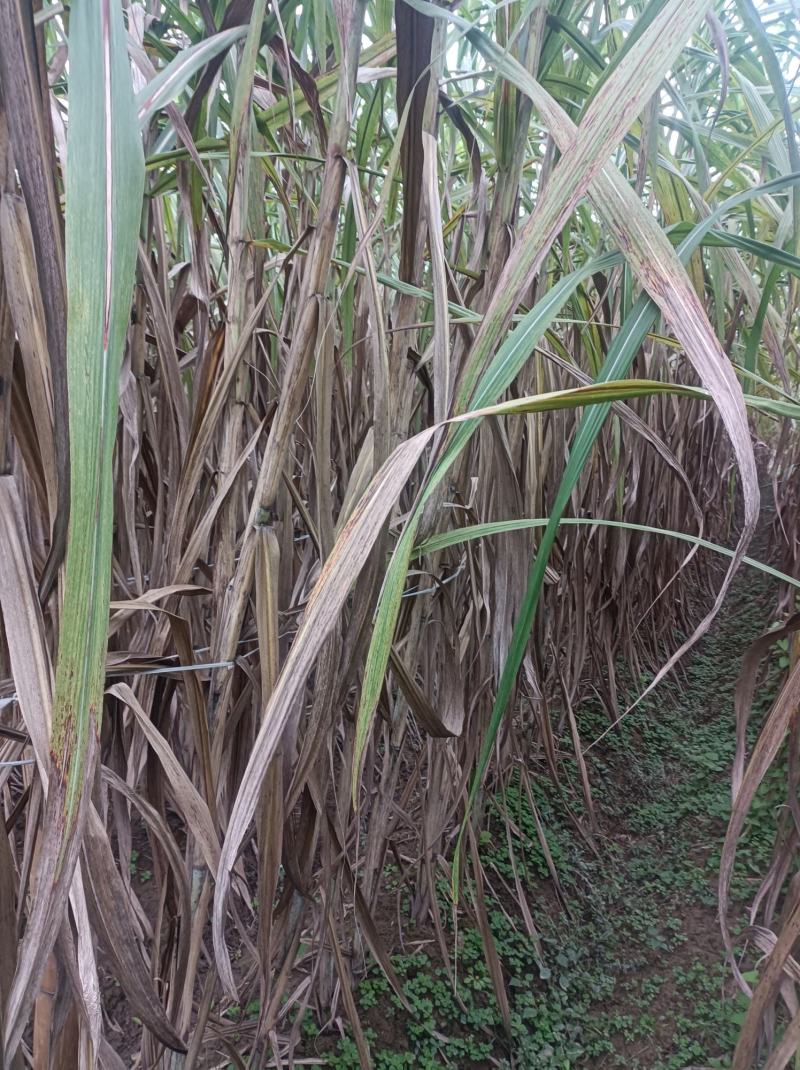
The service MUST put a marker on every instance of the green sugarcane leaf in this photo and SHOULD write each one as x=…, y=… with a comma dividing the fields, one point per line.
x=501, y=527
x=104, y=190
x=169, y=82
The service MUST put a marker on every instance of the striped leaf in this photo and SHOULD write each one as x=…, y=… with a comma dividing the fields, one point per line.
x=104, y=188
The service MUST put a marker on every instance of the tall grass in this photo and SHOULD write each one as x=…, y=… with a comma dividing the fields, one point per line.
x=360, y=364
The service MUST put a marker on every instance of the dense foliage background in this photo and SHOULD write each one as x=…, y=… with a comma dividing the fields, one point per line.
x=371, y=372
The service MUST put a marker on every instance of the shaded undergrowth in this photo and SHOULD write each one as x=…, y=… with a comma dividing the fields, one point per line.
x=630, y=972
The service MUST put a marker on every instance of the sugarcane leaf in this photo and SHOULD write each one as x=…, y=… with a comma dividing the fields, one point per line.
x=104, y=189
